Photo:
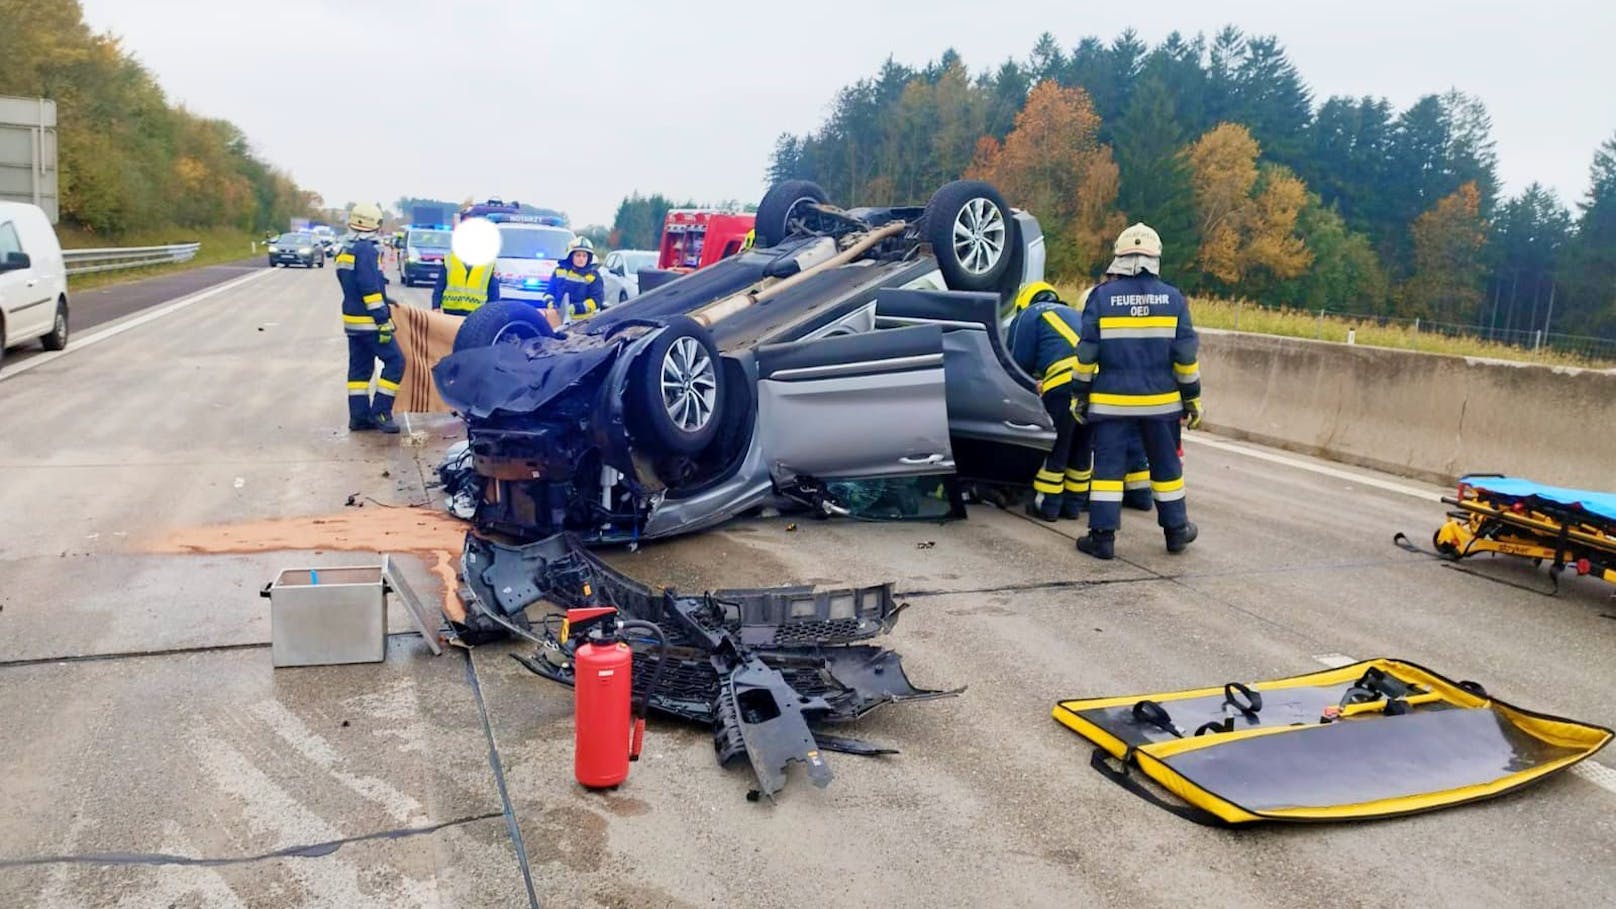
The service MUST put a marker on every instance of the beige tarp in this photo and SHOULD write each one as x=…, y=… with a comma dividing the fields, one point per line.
x=425, y=336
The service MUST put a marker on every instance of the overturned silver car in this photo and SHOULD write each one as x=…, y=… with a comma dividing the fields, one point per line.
x=849, y=344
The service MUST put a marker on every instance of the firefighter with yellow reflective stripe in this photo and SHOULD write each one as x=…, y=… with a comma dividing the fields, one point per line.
x=1136, y=482
x=368, y=323
x=576, y=287
x=462, y=289
x=1043, y=342
x=1137, y=375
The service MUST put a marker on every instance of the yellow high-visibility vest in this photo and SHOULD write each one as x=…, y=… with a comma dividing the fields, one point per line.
x=465, y=288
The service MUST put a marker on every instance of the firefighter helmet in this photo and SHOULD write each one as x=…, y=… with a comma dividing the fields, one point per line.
x=1036, y=292
x=365, y=217
x=1138, y=240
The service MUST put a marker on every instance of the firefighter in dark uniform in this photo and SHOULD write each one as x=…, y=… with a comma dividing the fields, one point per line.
x=1043, y=342
x=368, y=323
x=1137, y=374
x=1136, y=482
x=576, y=286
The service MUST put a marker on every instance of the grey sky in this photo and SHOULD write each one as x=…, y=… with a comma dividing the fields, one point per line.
x=573, y=105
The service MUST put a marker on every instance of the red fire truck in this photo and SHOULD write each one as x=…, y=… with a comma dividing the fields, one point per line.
x=693, y=238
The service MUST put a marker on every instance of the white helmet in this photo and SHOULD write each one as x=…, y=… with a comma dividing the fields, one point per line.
x=365, y=218
x=583, y=244
x=1138, y=240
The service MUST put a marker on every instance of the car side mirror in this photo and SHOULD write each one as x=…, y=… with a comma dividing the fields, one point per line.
x=619, y=271
x=16, y=261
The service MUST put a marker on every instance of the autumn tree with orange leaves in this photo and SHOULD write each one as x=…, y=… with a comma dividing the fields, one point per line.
x=1053, y=165
x=1247, y=216
x=1448, y=266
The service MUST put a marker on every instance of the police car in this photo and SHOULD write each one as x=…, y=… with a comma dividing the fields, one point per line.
x=531, y=246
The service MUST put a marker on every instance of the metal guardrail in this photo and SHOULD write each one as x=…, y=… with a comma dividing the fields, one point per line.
x=86, y=261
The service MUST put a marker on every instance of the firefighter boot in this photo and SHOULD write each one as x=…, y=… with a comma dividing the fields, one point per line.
x=1072, y=506
x=1180, y=537
x=1045, y=507
x=1102, y=544
x=384, y=422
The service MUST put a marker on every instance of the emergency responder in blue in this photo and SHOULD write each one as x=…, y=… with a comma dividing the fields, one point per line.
x=1136, y=373
x=368, y=323
x=462, y=289
x=1136, y=482
x=1043, y=342
x=576, y=282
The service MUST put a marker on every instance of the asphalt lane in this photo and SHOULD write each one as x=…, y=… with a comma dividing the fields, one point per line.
x=374, y=784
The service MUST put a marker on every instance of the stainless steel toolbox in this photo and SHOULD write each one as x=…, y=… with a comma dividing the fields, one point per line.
x=322, y=616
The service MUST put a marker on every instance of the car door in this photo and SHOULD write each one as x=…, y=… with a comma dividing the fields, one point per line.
x=1000, y=428
x=855, y=406
x=24, y=296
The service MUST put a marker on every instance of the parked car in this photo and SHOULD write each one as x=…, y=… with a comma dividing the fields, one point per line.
x=621, y=269
x=847, y=345
x=33, y=279
x=422, y=258
x=297, y=248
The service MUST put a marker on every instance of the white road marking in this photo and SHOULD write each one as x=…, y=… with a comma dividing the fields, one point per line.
x=1590, y=769
x=118, y=328
x=1324, y=470
x=1334, y=660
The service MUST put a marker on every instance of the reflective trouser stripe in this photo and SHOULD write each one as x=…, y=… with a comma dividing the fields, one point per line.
x=384, y=387
x=1048, y=482
x=359, y=388
x=1167, y=490
x=1137, y=480
x=1105, y=491
x=1078, y=480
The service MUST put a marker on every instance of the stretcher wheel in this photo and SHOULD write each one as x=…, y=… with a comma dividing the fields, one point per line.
x=1445, y=550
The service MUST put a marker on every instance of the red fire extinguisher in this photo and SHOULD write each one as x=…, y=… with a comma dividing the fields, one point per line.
x=608, y=720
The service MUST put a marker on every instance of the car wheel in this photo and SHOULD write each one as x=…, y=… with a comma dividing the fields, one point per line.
x=57, y=338
x=971, y=233
x=502, y=322
x=322, y=262
x=678, y=399
x=271, y=263
x=622, y=296
x=780, y=205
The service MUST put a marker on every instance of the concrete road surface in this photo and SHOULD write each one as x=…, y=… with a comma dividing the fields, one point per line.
x=152, y=757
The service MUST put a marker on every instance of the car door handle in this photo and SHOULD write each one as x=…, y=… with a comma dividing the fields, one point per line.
x=922, y=459
x=1024, y=427
x=32, y=282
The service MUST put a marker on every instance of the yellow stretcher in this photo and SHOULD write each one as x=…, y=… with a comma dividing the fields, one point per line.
x=1565, y=527
x=1375, y=739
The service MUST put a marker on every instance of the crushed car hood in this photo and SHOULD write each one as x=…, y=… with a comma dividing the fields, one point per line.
x=508, y=377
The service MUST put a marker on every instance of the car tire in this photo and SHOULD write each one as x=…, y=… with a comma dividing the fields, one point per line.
x=500, y=322
x=774, y=212
x=622, y=296
x=56, y=338
x=321, y=263
x=971, y=233
x=677, y=399
x=271, y=263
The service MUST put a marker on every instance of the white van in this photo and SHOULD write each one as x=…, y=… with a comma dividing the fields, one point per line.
x=33, y=279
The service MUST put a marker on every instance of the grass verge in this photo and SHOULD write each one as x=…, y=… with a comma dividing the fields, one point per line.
x=1241, y=315
x=218, y=247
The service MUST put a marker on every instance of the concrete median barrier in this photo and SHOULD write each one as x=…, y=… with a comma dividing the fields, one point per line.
x=1429, y=416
